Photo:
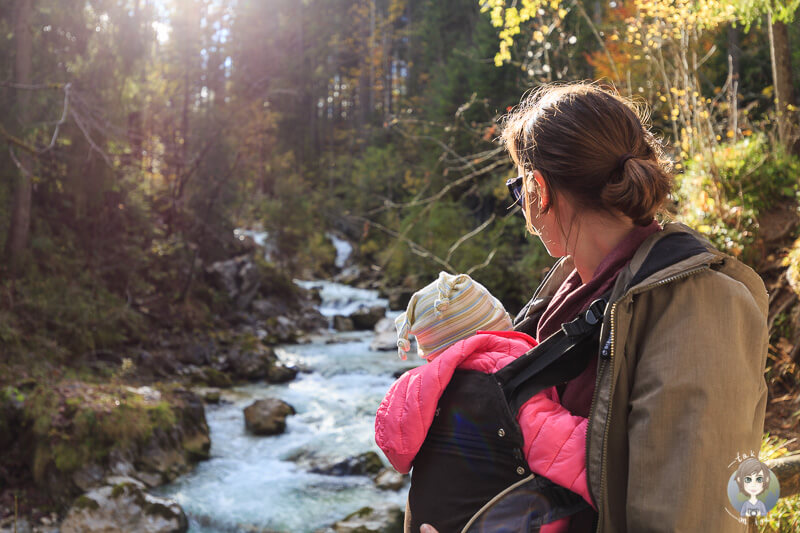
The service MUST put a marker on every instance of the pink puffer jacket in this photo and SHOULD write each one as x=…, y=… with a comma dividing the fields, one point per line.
x=554, y=439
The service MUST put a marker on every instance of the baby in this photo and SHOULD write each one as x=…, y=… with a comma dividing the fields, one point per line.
x=460, y=326
x=451, y=308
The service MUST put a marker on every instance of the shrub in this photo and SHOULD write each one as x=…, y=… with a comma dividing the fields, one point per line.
x=723, y=197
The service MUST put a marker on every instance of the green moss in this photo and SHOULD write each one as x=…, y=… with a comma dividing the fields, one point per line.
x=118, y=490
x=215, y=378
x=361, y=513
x=85, y=502
x=162, y=415
x=67, y=457
x=158, y=509
x=84, y=428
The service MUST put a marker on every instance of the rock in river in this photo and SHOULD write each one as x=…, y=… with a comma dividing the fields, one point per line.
x=385, y=336
x=267, y=416
x=386, y=519
x=342, y=323
x=367, y=317
x=390, y=479
x=124, y=506
x=368, y=463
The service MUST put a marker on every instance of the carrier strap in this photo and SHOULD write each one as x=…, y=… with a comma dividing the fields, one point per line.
x=558, y=359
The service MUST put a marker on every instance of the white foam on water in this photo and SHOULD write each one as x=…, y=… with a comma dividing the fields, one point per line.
x=343, y=250
x=253, y=482
x=338, y=299
x=261, y=238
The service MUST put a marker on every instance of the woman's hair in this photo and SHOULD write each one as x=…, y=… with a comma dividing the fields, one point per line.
x=749, y=467
x=592, y=145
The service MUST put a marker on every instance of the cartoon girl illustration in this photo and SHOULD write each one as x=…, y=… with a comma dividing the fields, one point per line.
x=753, y=477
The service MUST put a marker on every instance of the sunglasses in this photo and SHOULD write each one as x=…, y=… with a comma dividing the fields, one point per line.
x=515, y=189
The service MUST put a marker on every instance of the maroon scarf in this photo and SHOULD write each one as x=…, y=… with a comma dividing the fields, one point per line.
x=572, y=297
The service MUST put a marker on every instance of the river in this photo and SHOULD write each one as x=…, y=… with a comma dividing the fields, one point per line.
x=251, y=483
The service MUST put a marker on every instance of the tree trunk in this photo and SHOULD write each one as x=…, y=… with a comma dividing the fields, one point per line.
x=734, y=53
x=781, y=55
x=17, y=239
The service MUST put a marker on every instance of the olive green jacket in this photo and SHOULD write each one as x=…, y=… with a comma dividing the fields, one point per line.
x=680, y=387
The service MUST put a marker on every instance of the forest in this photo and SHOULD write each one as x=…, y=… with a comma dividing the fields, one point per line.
x=168, y=168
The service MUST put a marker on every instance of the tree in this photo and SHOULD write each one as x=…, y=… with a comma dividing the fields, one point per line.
x=21, y=207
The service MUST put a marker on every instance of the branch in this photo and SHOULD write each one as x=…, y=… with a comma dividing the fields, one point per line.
x=484, y=264
x=61, y=121
x=16, y=141
x=28, y=87
x=82, y=127
x=464, y=238
x=18, y=163
x=414, y=247
x=414, y=203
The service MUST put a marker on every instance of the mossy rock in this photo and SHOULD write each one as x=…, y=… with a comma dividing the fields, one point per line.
x=85, y=502
x=124, y=507
x=365, y=464
x=386, y=519
x=213, y=378
x=198, y=447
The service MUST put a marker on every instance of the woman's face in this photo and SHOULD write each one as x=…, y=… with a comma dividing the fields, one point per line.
x=544, y=221
x=754, y=483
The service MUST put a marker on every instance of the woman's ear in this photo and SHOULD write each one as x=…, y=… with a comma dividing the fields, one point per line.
x=544, y=192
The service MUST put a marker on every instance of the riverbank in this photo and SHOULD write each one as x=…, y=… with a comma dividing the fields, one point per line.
x=126, y=412
x=112, y=431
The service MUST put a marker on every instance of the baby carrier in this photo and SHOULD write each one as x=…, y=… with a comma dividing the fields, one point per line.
x=471, y=474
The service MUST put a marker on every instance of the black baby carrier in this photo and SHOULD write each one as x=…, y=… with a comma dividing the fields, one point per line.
x=470, y=473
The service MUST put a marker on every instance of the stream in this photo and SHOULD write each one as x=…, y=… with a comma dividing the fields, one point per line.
x=251, y=483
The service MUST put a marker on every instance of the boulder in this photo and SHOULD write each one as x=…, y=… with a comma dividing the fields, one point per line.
x=268, y=307
x=251, y=364
x=385, y=336
x=212, y=396
x=376, y=519
x=198, y=354
x=367, y=317
x=171, y=452
x=239, y=278
x=267, y=416
x=343, y=323
x=280, y=373
x=390, y=479
x=365, y=464
x=211, y=377
x=124, y=506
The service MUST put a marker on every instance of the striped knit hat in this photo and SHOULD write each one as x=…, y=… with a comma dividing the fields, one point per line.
x=448, y=310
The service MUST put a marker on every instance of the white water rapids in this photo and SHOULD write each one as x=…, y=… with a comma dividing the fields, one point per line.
x=250, y=483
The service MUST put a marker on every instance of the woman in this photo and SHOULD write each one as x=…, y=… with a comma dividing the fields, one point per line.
x=677, y=388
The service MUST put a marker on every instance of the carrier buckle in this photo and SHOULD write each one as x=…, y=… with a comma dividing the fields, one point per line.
x=595, y=312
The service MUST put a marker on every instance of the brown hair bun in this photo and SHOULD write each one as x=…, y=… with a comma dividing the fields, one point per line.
x=592, y=145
